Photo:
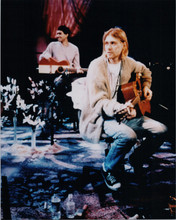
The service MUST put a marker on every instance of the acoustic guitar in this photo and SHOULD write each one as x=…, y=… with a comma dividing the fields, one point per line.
x=133, y=91
x=52, y=66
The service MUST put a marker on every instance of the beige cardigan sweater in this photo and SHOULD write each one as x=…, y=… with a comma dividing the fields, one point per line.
x=98, y=98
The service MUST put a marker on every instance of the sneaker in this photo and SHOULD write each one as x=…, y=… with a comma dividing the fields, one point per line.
x=110, y=180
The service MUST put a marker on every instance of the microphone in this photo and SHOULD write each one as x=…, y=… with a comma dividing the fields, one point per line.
x=60, y=69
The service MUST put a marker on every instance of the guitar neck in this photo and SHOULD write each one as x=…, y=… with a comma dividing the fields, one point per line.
x=69, y=69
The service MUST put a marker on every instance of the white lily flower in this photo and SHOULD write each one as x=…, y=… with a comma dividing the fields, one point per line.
x=35, y=89
x=18, y=98
x=20, y=103
x=5, y=94
x=5, y=99
x=41, y=82
x=32, y=91
x=6, y=106
x=30, y=79
x=11, y=97
x=3, y=119
x=14, y=81
x=1, y=88
x=40, y=91
x=8, y=87
x=47, y=88
x=17, y=88
x=34, y=108
x=39, y=112
x=42, y=123
x=29, y=106
x=13, y=89
x=33, y=84
x=8, y=79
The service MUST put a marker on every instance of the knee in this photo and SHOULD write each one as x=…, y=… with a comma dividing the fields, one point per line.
x=155, y=127
x=162, y=128
x=129, y=136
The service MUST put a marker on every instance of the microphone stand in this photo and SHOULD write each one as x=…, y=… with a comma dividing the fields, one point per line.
x=55, y=148
x=53, y=99
x=52, y=123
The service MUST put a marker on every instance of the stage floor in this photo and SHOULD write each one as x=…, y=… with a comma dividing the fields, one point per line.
x=72, y=165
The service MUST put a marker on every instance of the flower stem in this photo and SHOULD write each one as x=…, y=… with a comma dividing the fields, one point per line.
x=33, y=140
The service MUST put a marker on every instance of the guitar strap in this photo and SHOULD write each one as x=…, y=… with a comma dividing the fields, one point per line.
x=118, y=82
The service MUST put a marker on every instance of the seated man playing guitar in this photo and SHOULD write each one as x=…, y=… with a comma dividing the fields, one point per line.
x=62, y=52
x=104, y=110
x=62, y=49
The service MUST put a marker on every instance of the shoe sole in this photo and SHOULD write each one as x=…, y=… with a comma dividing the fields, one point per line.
x=111, y=187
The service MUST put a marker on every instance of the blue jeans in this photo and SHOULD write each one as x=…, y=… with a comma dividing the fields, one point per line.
x=125, y=135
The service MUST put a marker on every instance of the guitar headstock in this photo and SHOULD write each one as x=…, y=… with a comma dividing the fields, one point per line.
x=138, y=75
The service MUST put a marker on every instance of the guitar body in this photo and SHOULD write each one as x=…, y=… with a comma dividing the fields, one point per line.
x=133, y=91
x=50, y=66
x=144, y=107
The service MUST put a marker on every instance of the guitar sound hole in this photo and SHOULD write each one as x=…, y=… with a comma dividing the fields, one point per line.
x=60, y=69
x=137, y=86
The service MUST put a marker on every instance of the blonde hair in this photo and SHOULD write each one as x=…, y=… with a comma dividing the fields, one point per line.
x=121, y=35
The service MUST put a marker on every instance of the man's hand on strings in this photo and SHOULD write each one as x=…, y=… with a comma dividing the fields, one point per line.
x=147, y=93
x=79, y=70
x=128, y=111
x=131, y=113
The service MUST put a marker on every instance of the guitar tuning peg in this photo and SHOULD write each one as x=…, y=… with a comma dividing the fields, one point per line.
x=138, y=75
